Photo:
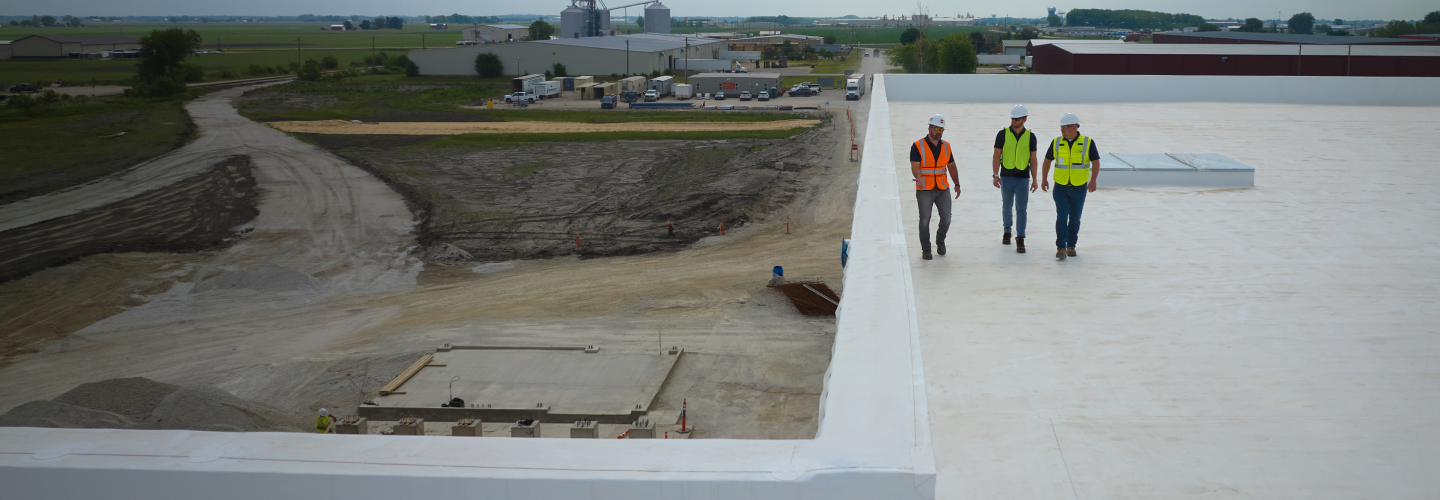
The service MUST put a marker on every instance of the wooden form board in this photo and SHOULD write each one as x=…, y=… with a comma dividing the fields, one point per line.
x=405, y=375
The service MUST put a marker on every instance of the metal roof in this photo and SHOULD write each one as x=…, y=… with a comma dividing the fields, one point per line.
x=1238, y=49
x=507, y=26
x=736, y=75
x=647, y=42
x=87, y=40
x=1286, y=38
x=1038, y=42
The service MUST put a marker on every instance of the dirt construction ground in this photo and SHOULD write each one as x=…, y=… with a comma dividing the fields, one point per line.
x=325, y=299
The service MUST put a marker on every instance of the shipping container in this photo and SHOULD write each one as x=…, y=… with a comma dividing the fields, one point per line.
x=525, y=83
x=661, y=85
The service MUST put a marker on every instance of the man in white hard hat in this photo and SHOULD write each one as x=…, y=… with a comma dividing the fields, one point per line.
x=322, y=423
x=1014, y=163
x=930, y=160
x=1077, y=167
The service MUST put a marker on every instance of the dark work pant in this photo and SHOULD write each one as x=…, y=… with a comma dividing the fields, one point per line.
x=1014, y=191
x=1069, y=202
x=940, y=200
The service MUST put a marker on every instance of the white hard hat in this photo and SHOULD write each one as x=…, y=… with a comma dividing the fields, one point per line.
x=324, y=412
x=937, y=120
x=1019, y=111
x=1069, y=119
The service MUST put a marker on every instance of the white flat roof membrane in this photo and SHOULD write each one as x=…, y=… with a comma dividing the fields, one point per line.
x=1275, y=342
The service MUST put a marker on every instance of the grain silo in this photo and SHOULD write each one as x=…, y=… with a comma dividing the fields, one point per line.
x=572, y=22
x=657, y=18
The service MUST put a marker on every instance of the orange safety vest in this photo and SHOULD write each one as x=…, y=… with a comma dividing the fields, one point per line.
x=931, y=171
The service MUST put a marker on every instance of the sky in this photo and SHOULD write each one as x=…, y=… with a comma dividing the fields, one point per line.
x=1264, y=9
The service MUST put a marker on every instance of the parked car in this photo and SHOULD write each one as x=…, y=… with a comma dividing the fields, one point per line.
x=629, y=96
x=651, y=95
x=520, y=97
x=1014, y=68
x=719, y=96
x=764, y=96
x=799, y=91
x=745, y=96
x=24, y=87
x=607, y=102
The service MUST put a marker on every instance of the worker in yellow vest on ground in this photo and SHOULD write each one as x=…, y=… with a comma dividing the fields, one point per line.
x=1013, y=164
x=1077, y=167
x=322, y=422
x=930, y=160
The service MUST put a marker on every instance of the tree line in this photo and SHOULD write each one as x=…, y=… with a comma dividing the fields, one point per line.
x=1131, y=19
x=953, y=54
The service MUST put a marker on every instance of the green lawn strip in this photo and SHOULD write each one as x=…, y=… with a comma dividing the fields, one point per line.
x=46, y=154
x=267, y=35
x=489, y=141
x=850, y=63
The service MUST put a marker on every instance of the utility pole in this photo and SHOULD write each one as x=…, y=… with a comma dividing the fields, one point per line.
x=687, y=62
x=372, y=45
x=422, y=41
x=627, y=57
x=297, y=50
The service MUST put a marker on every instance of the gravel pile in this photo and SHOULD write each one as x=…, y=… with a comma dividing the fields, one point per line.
x=140, y=403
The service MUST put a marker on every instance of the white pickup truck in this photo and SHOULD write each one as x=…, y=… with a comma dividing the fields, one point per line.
x=520, y=97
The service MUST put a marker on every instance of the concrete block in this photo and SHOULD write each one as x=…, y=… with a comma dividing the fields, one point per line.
x=468, y=427
x=588, y=429
x=528, y=428
x=352, y=425
x=642, y=430
x=410, y=427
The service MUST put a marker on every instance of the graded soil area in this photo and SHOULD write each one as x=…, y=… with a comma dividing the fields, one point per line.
x=616, y=197
x=327, y=298
x=520, y=127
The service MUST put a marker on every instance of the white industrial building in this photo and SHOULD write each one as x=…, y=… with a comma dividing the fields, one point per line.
x=602, y=55
x=496, y=33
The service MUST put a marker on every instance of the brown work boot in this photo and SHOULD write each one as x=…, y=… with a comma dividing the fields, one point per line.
x=1019, y=244
x=1059, y=254
x=1070, y=251
x=940, y=248
x=1005, y=240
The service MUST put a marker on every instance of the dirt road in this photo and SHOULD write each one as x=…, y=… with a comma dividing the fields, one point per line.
x=321, y=303
x=451, y=128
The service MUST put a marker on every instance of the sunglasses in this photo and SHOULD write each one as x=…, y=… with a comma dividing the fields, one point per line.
x=938, y=129
x=1018, y=119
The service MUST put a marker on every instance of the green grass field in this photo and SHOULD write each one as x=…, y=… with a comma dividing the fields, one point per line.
x=46, y=153
x=880, y=35
x=265, y=44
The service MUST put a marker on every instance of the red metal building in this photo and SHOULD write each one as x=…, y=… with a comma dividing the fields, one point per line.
x=1240, y=59
x=1238, y=37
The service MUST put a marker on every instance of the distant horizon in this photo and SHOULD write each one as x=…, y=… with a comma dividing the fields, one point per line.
x=1323, y=10
x=1318, y=19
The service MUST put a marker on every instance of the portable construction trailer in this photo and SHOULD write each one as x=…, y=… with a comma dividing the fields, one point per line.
x=599, y=90
x=684, y=91
x=732, y=84
x=661, y=85
x=635, y=83
x=583, y=90
x=525, y=83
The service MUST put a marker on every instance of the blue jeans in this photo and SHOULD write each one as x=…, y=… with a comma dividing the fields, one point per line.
x=1069, y=202
x=1015, y=191
x=939, y=199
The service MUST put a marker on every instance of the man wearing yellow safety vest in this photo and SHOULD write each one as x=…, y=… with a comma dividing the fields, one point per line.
x=1077, y=166
x=930, y=159
x=1014, y=163
x=323, y=422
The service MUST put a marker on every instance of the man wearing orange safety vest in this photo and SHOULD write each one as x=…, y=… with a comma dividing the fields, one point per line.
x=1077, y=167
x=930, y=160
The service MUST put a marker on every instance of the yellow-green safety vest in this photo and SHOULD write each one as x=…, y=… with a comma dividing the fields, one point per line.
x=1072, y=166
x=321, y=424
x=1016, y=154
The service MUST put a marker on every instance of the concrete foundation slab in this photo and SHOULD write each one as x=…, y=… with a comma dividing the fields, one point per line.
x=585, y=429
x=467, y=427
x=511, y=384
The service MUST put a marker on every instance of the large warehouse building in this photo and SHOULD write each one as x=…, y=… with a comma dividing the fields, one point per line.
x=54, y=46
x=1237, y=37
x=603, y=55
x=1236, y=59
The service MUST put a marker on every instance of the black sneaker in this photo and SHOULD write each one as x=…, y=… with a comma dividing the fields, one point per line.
x=940, y=248
x=926, y=255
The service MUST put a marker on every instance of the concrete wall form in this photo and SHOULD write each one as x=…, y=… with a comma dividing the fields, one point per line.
x=873, y=439
x=1161, y=88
